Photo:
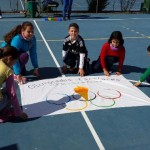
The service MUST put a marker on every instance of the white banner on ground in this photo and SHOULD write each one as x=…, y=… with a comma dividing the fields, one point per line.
x=72, y=94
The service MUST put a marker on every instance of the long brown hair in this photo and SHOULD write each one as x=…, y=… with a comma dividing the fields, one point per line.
x=9, y=51
x=16, y=30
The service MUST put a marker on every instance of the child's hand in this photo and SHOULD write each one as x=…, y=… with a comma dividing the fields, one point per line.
x=81, y=72
x=20, y=79
x=137, y=84
x=64, y=69
x=118, y=73
x=36, y=72
x=106, y=73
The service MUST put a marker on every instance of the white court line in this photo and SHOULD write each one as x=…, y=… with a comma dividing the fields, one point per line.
x=117, y=19
x=22, y=5
x=94, y=39
x=136, y=32
x=76, y=4
x=87, y=120
x=96, y=137
x=49, y=49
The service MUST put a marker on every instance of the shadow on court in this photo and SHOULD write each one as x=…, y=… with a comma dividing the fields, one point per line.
x=45, y=73
x=130, y=69
x=48, y=106
x=86, y=17
x=10, y=147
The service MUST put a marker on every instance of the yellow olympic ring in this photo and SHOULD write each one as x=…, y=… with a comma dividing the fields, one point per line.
x=79, y=109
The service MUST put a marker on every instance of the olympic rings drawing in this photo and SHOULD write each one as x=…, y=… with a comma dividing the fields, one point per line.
x=93, y=97
x=79, y=109
x=69, y=99
x=113, y=103
x=119, y=95
x=110, y=98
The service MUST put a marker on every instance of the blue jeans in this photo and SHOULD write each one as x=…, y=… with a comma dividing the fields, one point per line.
x=67, y=7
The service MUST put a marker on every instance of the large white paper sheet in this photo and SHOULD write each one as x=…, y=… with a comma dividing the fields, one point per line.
x=57, y=96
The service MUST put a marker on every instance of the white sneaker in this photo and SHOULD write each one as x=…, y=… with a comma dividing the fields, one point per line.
x=1, y=17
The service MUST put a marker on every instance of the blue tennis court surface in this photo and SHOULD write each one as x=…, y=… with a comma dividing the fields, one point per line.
x=78, y=5
x=110, y=129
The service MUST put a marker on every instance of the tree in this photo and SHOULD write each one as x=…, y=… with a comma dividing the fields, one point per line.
x=127, y=5
x=97, y=5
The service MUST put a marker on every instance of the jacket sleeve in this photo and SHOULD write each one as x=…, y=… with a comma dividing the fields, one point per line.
x=16, y=42
x=17, y=68
x=145, y=74
x=65, y=46
x=33, y=53
x=3, y=44
x=103, y=55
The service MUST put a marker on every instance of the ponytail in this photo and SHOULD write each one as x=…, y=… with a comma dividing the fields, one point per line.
x=8, y=36
x=17, y=30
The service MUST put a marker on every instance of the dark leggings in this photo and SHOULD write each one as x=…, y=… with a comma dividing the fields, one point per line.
x=110, y=60
x=23, y=59
x=73, y=60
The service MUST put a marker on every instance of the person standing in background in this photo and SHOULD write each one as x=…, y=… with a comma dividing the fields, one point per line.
x=0, y=14
x=67, y=8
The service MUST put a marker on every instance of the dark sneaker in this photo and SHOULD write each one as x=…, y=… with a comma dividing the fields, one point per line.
x=64, y=19
x=68, y=17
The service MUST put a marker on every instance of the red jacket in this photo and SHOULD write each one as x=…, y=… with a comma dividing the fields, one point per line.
x=107, y=51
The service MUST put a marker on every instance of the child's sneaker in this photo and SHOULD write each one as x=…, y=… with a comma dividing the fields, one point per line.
x=71, y=69
x=64, y=70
